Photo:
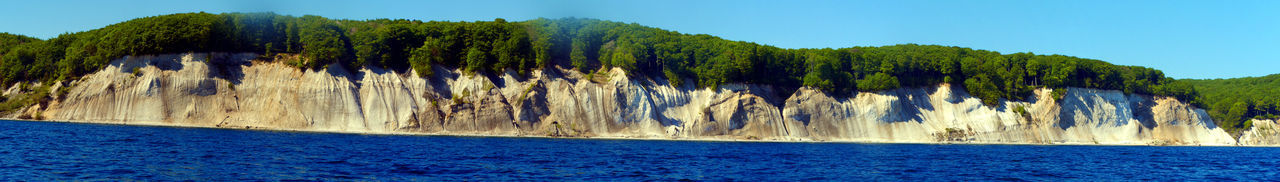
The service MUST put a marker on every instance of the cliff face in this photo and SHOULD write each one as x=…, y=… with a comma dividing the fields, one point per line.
x=233, y=90
x=1264, y=132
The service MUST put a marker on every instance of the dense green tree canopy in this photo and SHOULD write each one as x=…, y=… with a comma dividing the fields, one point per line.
x=8, y=41
x=1233, y=102
x=583, y=44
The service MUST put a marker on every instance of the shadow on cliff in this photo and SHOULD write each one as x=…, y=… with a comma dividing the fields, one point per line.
x=164, y=62
x=908, y=106
x=663, y=119
x=1075, y=104
x=229, y=67
x=1142, y=111
x=437, y=81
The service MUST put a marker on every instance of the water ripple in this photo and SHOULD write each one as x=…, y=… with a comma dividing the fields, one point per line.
x=41, y=151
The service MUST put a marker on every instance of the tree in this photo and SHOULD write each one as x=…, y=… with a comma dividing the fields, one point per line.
x=542, y=52
x=1035, y=69
x=823, y=74
x=578, y=56
x=431, y=52
x=476, y=60
x=1237, y=114
x=623, y=56
x=817, y=79
x=320, y=39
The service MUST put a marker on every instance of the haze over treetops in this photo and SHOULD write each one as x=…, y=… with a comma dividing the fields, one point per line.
x=589, y=46
x=1166, y=35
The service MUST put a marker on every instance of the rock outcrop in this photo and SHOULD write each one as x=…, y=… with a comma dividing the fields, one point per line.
x=241, y=91
x=1264, y=132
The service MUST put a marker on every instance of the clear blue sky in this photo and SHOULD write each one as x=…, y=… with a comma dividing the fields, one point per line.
x=1186, y=39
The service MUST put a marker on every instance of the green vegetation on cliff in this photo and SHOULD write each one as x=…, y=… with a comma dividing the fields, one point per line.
x=8, y=41
x=583, y=44
x=1233, y=102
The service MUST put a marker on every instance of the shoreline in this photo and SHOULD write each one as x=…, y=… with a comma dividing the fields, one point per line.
x=508, y=105
x=396, y=133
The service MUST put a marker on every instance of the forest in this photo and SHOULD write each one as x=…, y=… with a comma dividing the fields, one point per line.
x=586, y=45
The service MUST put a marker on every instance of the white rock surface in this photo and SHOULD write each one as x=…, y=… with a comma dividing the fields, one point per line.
x=1264, y=132
x=234, y=90
x=1083, y=116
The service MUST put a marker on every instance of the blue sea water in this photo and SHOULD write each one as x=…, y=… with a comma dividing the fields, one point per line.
x=40, y=151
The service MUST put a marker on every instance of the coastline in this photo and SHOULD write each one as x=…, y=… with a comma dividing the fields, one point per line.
x=247, y=93
x=400, y=133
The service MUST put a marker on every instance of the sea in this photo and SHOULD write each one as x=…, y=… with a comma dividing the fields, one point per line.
x=56, y=151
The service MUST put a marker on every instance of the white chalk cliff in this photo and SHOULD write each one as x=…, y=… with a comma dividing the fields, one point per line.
x=237, y=91
x=1264, y=132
